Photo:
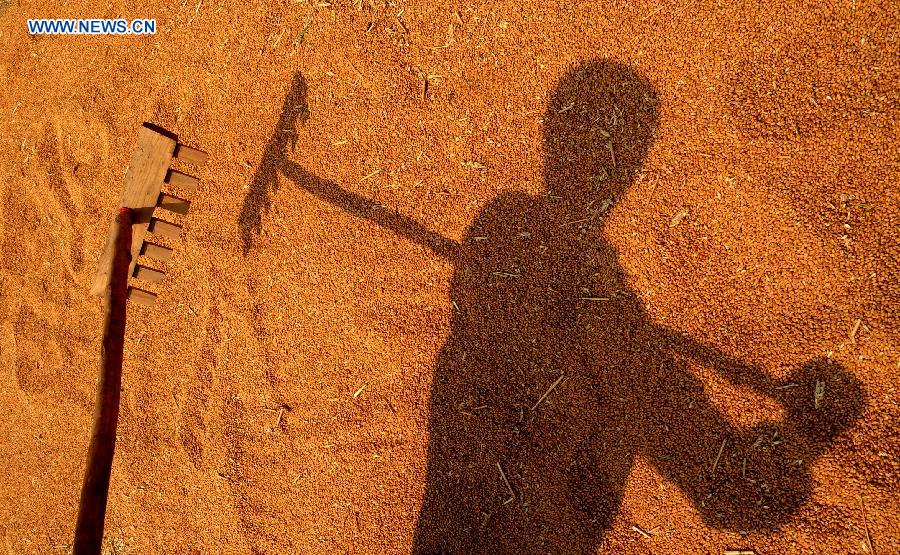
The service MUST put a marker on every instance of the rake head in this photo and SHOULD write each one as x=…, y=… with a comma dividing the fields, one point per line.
x=148, y=171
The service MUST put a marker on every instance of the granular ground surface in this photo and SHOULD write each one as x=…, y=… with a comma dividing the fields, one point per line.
x=485, y=277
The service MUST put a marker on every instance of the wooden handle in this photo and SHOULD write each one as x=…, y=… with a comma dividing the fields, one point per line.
x=94, y=489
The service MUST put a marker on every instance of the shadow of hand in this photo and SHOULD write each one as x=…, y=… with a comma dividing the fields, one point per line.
x=824, y=403
x=768, y=475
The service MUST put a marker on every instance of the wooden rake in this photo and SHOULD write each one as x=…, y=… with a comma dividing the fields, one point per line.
x=141, y=196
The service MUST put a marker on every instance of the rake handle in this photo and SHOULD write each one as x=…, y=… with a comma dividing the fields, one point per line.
x=95, y=488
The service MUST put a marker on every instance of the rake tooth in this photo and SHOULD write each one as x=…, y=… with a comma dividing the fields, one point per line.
x=156, y=252
x=164, y=228
x=148, y=274
x=140, y=296
x=173, y=203
x=182, y=180
x=191, y=155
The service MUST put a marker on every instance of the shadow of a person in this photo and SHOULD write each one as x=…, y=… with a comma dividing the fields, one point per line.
x=541, y=296
x=541, y=304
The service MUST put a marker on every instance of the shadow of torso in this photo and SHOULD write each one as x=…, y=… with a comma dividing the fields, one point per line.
x=538, y=299
x=518, y=327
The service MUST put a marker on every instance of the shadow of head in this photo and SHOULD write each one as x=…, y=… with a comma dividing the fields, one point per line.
x=598, y=126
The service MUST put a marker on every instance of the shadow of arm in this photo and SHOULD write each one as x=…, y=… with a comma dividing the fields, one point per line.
x=735, y=371
x=819, y=420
